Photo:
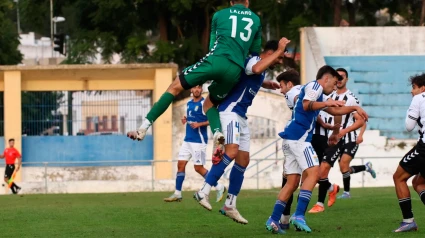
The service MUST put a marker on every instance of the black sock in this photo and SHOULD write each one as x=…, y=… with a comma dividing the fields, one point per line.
x=406, y=207
x=324, y=185
x=15, y=186
x=357, y=168
x=422, y=195
x=346, y=178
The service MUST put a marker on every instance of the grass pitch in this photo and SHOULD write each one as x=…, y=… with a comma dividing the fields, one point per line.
x=371, y=212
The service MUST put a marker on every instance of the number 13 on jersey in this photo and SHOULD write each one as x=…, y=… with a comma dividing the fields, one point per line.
x=245, y=36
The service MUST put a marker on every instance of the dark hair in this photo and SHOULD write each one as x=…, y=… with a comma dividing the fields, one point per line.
x=342, y=70
x=418, y=80
x=327, y=70
x=271, y=45
x=290, y=75
x=237, y=1
x=11, y=139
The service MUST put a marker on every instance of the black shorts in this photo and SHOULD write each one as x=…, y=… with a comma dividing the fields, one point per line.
x=320, y=144
x=414, y=161
x=335, y=152
x=8, y=172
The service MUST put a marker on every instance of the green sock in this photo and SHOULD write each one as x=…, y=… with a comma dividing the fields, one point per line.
x=159, y=107
x=214, y=119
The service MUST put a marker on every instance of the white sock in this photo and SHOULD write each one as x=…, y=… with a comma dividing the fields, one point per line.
x=178, y=193
x=206, y=189
x=320, y=204
x=410, y=220
x=348, y=193
x=145, y=125
x=219, y=186
x=284, y=219
x=331, y=188
x=231, y=200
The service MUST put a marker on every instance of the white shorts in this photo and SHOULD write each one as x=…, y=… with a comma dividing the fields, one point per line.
x=299, y=156
x=196, y=151
x=235, y=130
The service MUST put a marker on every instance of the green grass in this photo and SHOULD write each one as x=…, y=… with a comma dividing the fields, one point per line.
x=372, y=212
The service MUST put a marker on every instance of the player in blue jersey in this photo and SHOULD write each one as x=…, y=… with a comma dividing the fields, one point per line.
x=195, y=145
x=235, y=126
x=299, y=154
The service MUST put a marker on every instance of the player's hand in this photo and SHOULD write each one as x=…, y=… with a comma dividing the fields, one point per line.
x=362, y=113
x=18, y=167
x=195, y=125
x=283, y=42
x=342, y=133
x=274, y=85
x=184, y=120
x=333, y=139
x=333, y=103
x=359, y=139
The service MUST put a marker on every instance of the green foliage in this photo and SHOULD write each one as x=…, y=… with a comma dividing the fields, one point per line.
x=9, y=39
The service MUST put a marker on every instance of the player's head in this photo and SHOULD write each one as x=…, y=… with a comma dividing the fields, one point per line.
x=418, y=84
x=327, y=77
x=344, y=74
x=196, y=91
x=244, y=2
x=11, y=142
x=288, y=79
x=270, y=47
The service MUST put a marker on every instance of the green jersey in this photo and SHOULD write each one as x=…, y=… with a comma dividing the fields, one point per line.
x=235, y=32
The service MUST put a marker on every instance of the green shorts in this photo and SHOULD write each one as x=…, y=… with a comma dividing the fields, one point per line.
x=223, y=72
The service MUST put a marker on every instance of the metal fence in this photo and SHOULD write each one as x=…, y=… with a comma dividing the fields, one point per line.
x=49, y=175
x=83, y=112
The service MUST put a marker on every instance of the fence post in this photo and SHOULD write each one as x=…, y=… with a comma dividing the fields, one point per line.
x=258, y=176
x=152, y=176
x=45, y=177
x=362, y=174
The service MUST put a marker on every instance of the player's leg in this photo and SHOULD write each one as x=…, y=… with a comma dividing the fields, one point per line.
x=344, y=165
x=196, y=74
x=293, y=175
x=225, y=74
x=231, y=131
x=237, y=174
x=184, y=156
x=419, y=186
x=407, y=167
x=198, y=158
x=284, y=219
x=309, y=163
x=351, y=149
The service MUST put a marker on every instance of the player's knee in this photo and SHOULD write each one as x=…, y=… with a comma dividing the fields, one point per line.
x=181, y=166
x=231, y=152
x=175, y=87
x=199, y=169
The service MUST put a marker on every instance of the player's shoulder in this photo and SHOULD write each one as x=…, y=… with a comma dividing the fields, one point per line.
x=314, y=85
x=351, y=94
x=419, y=97
x=252, y=59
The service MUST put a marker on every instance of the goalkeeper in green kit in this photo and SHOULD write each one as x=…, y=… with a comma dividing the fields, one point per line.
x=235, y=32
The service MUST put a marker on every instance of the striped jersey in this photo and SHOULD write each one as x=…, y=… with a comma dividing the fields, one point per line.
x=318, y=129
x=348, y=119
x=416, y=112
x=195, y=113
x=291, y=94
x=242, y=94
x=301, y=126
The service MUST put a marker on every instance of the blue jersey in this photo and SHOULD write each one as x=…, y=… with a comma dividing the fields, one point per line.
x=240, y=97
x=301, y=126
x=196, y=114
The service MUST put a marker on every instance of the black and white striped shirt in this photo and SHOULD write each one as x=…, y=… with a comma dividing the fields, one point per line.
x=416, y=115
x=319, y=130
x=347, y=120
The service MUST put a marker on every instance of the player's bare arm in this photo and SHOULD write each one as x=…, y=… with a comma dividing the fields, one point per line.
x=314, y=106
x=265, y=63
x=339, y=111
x=327, y=125
x=199, y=124
x=360, y=136
x=270, y=85
x=2, y=156
x=358, y=123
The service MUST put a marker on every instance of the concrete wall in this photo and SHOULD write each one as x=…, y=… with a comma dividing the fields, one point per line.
x=59, y=150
